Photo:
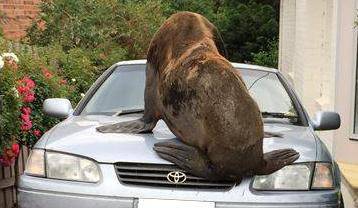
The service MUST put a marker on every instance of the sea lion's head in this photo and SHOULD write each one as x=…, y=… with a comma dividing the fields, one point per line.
x=180, y=32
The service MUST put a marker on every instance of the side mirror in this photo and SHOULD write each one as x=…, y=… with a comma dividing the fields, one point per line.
x=326, y=120
x=57, y=107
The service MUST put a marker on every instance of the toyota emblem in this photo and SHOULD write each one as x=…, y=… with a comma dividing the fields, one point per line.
x=176, y=177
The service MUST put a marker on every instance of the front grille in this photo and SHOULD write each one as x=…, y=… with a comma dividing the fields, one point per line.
x=148, y=174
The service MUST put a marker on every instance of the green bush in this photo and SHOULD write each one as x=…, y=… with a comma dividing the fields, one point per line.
x=75, y=66
x=269, y=57
x=247, y=26
x=94, y=24
x=247, y=29
x=83, y=38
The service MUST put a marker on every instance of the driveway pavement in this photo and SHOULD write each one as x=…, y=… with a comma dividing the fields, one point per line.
x=347, y=197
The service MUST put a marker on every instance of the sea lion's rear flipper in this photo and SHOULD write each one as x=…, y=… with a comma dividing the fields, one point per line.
x=189, y=158
x=135, y=127
x=276, y=160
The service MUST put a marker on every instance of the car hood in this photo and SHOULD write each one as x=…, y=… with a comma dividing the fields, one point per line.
x=78, y=135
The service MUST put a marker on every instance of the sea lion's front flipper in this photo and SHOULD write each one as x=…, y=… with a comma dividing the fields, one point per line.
x=135, y=127
x=277, y=159
x=189, y=158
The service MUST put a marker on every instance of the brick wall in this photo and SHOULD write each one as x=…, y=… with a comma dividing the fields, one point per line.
x=17, y=16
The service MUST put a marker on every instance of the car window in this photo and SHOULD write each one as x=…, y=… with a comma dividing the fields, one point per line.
x=268, y=91
x=124, y=90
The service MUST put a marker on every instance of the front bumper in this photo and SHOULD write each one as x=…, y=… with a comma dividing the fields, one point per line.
x=44, y=193
x=42, y=199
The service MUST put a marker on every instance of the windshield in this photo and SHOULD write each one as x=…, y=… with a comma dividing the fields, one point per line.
x=123, y=91
x=268, y=91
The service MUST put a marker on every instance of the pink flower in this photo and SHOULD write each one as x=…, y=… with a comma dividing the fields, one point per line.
x=22, y=89
x=25, y=117
x=26, y=125
x=15, y=149
x=26, y=110
x=25, y=89
x=29, y=97
x=26, y=84
x=37, y=133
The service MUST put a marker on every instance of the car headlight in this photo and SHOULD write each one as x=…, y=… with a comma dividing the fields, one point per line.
x=322, y=177
x=301, y=176
x=36, y=163
x=62, y=166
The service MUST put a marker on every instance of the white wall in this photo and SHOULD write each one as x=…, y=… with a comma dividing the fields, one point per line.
x=287, y=36
x=307, y=52
x=345, y=149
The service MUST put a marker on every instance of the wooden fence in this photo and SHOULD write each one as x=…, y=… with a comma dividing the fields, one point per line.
x=8, y=175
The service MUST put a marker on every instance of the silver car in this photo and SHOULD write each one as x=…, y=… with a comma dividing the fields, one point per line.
x=73, y=165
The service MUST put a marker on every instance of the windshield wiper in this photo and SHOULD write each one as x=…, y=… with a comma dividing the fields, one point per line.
x=278, y=115
x=129, y=111
x=264, y=114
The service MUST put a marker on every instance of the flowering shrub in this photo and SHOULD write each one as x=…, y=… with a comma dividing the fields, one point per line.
x=9, y=155
x=25, y=82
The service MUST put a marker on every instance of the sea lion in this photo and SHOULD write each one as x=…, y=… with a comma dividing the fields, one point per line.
x=204, y=102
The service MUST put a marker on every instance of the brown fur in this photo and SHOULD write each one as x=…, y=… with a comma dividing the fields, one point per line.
x=203, y=101
x=193, y=87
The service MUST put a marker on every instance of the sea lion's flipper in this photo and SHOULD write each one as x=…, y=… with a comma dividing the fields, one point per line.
x=189, y=158
x=135, y=127
x=277, y=159
x=150, y=116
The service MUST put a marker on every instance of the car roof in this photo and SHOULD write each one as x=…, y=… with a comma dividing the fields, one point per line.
x=236, y=65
